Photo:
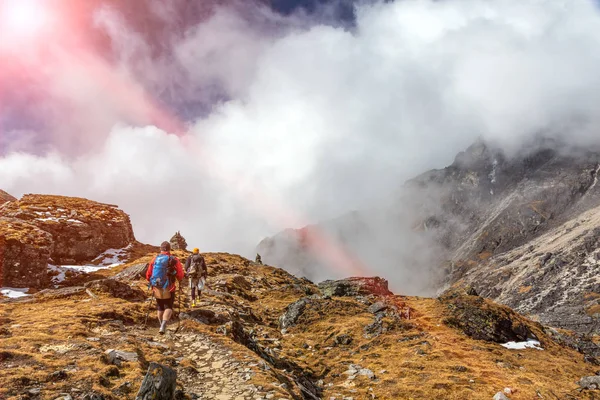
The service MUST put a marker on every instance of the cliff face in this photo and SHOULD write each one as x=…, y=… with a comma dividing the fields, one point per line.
x=39, y=229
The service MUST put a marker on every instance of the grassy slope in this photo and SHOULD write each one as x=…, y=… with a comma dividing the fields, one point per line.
x=422, y=357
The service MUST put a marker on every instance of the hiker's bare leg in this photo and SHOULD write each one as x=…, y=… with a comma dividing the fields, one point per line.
x=167, y=315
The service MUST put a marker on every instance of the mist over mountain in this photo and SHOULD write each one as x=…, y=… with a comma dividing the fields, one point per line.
x=232, y=122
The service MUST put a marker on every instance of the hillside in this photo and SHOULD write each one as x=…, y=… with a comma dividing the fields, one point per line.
x=87, y=330
x=236, y=344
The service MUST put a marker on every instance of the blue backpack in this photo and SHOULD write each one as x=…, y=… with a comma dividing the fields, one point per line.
x=162, y=272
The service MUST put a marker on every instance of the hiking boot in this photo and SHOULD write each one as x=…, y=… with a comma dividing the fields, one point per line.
x=193, y=303
x=163, y=328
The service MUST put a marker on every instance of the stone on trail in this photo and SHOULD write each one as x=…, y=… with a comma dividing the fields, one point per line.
x=116, y=356
x=500, y=396
x=590, y=382
x=159, y=383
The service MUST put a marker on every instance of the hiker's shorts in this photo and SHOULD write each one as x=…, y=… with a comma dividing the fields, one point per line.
x=165, y=304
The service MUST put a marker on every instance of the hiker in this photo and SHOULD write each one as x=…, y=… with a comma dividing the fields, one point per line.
x=195, y=269
x=162, y=272
x=258, y=259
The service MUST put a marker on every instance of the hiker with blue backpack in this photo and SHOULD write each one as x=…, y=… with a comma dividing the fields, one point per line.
x=163, y=272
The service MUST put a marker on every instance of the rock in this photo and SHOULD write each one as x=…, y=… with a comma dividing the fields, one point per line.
x=590, y=382
x=133, y=273
x=377, y=307
x=80, y=229
x=64, y=396
x=343, y=340
x=483, y=320
x=60, y=293
x=500, y=396
x=24, y=253
x=178, y=242
x=116, y=356
x=159, y=383
x=5, y=197
x=116, y=289
x=471, y=291
x=93, y=396
x=353, y=287
x=374, y=329
x=293, y=312
x=58, y=376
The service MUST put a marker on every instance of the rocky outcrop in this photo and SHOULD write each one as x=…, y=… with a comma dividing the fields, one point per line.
x=484, y=320
x=5, y=197
x=24, y=253
x=81, y=229
x=116, y=289
x=178, y=242
x=355, y=287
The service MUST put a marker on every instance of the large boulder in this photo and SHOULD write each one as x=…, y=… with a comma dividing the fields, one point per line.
x=80, y=229
x=5, y=197
x=483, y=319
x=355, y=287
x=24, y=253
x=159, y=383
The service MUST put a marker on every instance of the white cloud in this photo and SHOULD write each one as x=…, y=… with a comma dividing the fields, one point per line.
x=320, y=119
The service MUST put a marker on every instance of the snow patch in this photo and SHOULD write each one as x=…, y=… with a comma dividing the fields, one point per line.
x=492, y=174
x=530, y=343
x=48, y=219
x=14, y=293
x=109, y=259
x=112, y=257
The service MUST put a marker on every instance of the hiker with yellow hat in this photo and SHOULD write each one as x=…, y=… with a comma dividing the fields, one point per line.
x=196, y=271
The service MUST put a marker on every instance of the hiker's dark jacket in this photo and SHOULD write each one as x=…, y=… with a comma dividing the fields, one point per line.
x=203, y=270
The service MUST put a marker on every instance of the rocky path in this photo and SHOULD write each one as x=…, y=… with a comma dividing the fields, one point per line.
x=209, y=370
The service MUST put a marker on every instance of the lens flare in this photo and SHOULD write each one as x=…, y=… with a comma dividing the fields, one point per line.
x=23, y=19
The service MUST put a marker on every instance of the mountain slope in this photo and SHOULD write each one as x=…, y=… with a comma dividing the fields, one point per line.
x=447, y=223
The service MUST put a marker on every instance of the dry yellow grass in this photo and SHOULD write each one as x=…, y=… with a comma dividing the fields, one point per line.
x=423, y=358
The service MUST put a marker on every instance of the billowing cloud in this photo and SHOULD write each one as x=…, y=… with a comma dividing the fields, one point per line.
x=307, y=118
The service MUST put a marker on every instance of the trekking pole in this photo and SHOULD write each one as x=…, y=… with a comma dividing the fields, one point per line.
x=149, y=305
x=179, y=311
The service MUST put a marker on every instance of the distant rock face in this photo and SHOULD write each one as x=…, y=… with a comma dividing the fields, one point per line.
x=4, y=197
x=178, y=242
x=40, y=229
x=81, y=229
x=490, y=218
x=24, y=253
